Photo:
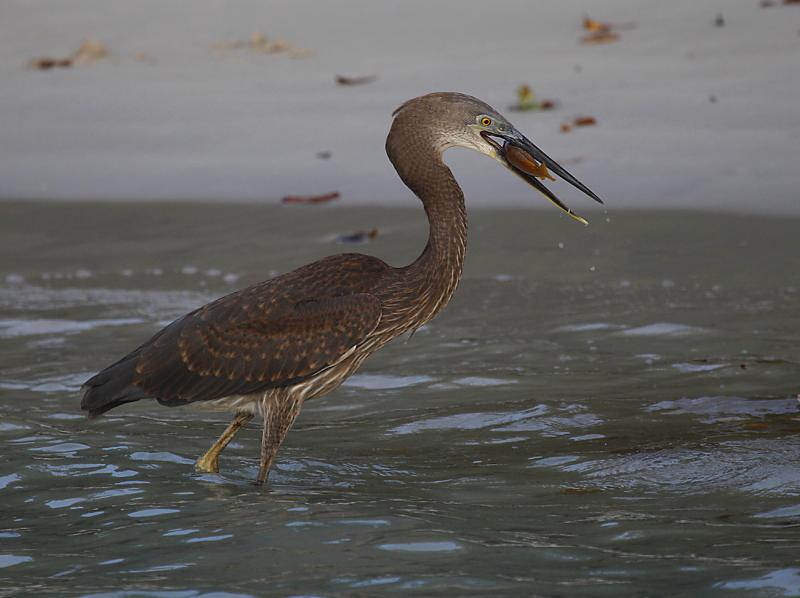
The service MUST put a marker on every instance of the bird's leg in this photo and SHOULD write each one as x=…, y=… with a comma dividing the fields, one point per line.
x=209, y=462
x=279, y=415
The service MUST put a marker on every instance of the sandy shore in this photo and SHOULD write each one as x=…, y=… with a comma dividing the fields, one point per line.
x=690, y=114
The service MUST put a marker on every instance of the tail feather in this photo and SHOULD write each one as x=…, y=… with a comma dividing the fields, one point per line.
x=112, y=387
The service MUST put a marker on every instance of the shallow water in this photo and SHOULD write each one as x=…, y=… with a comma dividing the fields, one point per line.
x=600, y=411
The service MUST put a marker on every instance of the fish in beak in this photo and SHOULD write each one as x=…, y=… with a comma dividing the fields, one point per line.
x=517, y=153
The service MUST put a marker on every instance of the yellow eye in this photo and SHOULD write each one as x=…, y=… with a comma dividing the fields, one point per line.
x=486, y=121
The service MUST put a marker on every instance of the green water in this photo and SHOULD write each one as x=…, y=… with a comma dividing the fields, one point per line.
x=600, y=411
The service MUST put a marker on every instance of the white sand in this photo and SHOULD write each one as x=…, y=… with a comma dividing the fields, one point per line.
x=199, y=125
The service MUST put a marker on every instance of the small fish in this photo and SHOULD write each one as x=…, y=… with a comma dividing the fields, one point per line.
x=522, y=160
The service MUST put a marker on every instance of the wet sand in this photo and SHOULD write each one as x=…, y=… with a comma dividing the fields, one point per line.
x=689, y=114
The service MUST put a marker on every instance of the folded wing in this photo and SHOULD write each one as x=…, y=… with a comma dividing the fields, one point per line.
x=273, y=334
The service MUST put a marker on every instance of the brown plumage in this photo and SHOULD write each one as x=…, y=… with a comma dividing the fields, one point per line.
x=268, y=348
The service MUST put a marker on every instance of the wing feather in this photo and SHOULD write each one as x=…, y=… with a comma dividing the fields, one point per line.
x=273, y=334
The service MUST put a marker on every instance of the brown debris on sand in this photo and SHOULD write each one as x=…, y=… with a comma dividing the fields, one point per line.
x=585, y=121
x=310, y=199
x=593, y=26
x=90, y=51
x=602, y=33
x=45, y=64
x=599, y=33
x=578, y=121
x=144, y=57
x=344, y=80
x=359, y=236
x=600, y=37
x=526, y=100
x=259, y=43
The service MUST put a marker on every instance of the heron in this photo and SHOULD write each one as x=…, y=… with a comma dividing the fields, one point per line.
x=266, y=349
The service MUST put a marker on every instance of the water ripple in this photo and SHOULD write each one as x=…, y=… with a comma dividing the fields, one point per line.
x=9, y=560
x=663, y=329
x=589, y=327
x=731, y=465
x=161, y=456
x=785, y=581
x=152, y=512
x=209, y=538
x=718, y=408
x=50, y=384
x=385, y=382
x=15, y=328
x=9, y=479
x=469, y=421
x=446, y=546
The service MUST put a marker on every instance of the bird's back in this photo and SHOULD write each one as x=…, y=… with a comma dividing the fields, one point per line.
x=275, y=333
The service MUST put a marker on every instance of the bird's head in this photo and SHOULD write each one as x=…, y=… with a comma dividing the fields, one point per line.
x=459, y=120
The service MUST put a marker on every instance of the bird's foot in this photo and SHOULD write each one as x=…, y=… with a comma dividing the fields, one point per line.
x=207, y=464
x=266, y=465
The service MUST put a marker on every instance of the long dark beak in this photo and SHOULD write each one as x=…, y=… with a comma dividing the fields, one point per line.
x=523, y=158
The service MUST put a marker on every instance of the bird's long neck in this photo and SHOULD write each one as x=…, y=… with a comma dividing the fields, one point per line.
x=434, y=275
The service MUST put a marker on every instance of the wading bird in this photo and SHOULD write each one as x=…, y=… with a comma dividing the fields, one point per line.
x=270, y=347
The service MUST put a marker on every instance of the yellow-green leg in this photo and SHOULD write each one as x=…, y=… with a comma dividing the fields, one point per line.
x=209, y=462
